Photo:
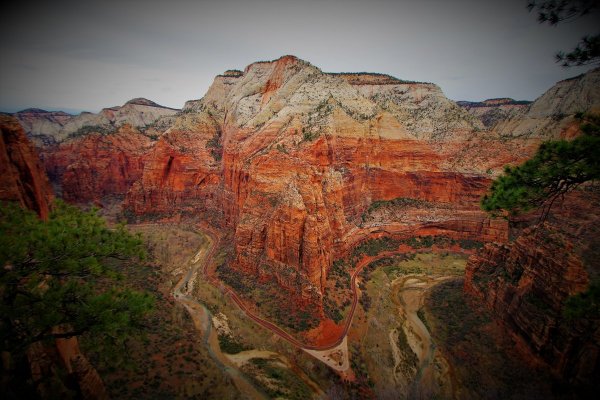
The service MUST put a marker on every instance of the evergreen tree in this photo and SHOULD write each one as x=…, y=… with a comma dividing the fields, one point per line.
x=65, y=272
x=554, y=12
x=557, y=167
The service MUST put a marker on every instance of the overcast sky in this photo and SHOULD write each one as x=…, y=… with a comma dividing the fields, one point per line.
x=86, y=55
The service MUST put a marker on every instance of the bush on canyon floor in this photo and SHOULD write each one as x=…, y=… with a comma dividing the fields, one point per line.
x=65, y=273
x=230, y=345
x=276, y=381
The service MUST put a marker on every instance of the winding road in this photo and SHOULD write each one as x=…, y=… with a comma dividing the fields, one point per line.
x=201, y=318
x=334, y=354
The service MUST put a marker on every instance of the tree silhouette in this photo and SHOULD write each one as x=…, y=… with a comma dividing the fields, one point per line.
x=554, y=12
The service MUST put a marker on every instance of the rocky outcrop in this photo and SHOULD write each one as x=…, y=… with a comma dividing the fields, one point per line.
x=51, y=127
x=59, y=371
x=528, y=283
x=23, y=178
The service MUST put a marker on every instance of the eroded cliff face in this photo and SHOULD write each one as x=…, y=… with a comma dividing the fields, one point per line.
x=552, y=115
x=23, y=178
x=527, y=284
x=182, y=172
x=96, y=167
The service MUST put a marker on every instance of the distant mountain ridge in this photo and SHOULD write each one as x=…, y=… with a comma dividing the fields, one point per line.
x=52, y=127
x=500, y=101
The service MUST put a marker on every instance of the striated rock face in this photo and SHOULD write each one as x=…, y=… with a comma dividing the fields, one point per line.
x=526, y=284
x=96, y=166
x=182, y=172
x=22, y=178
x=50, y=127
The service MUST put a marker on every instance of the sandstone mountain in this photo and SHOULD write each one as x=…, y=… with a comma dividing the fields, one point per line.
x=289, y=160
x=551, y=115
x=50, y=127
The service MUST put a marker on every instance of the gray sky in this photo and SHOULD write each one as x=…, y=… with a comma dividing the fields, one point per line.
x=86, y=55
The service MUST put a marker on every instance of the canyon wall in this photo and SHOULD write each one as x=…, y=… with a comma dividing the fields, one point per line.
x=530, y=283
x=23, y=178
x=96, y=167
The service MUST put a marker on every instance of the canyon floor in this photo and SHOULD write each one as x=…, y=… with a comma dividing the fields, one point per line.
x=404, y=340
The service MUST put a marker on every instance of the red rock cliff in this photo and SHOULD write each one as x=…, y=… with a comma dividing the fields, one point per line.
x=23, y=178
x=291, y=158
x=288, y=159
x=96, y=166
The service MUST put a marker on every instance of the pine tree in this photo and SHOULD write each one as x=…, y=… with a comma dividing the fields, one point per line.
x=556, y=168
x=65, y=272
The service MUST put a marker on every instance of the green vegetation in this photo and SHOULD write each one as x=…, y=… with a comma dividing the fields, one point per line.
x=308, y=136
x=423, y=318
x=399, y=202
x=423, y=263
x=215, y=146
x=266, y=293
x=90, y=129
x=65, y=273
x=277, y=381
x=554, y=12
x=411, y=358
x=584, y=305
x=557, y=168
x=229, y=345
x=372, y=247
